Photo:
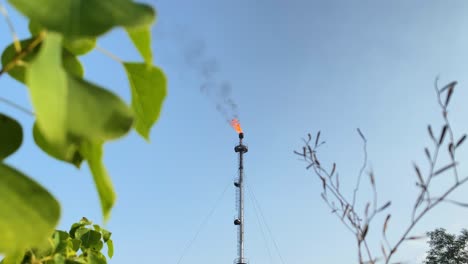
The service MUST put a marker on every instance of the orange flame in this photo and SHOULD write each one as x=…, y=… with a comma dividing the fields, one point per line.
x=236, y=125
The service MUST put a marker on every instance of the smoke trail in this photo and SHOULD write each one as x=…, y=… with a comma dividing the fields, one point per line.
x=207, y=67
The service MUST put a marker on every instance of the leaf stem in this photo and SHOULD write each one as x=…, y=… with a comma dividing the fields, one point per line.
x=16, y=41
x=23, y=53
x=109, y=54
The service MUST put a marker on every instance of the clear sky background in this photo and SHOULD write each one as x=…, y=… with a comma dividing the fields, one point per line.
x=295, y=66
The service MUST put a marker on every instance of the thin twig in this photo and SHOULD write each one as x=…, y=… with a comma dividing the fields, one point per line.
x=16, y=42
x=16, y=106
x=109, y=54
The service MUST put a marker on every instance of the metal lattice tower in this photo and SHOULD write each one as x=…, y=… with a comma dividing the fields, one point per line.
x=239, y=183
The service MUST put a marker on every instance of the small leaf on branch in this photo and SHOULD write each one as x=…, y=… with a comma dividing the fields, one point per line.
x=428, y=154
x=415, y=237
x=449, y=95
x=443, y=169
x=385, y=206
x=442, y=134
x=324, y=183
x=316, y=160
x=372, y=179
x=299, y=154
x=317, y=138
x=460, y=141
x=387, y=219
x=333, y=169
x=110, y=248
x=418, y=173
x=451, y=150
x=431, y=134
x=448, y=86
x=364, y=232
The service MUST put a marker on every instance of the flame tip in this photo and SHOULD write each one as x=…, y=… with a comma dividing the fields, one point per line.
x=236, y=125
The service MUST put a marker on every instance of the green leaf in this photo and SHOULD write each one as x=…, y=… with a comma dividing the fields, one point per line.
x=76, y=46
x=79, y=46
x=70, y=63
x=85, y=18
x=89, y=238
x=67, y=152
x=59, y=259
x=95, y=113
x=93, y=154
x=11, y=136
x=9, y=54
x=95, y=257
x=76, y=244
x=105, y=234
x=34, y=28
x=148, y=85
x=79, y=112
x=97, y=228
x=46, y=78
x=110, y=248
x=28, y=213
x=141, y=38
x=14, y=258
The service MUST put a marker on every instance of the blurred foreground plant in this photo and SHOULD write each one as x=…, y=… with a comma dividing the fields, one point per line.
x=74, y=117
x=81, y=245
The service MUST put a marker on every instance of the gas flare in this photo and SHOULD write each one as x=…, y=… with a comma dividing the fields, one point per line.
x=236, y=125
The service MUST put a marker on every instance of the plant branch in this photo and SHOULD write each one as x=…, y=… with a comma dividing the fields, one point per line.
x=23, y=53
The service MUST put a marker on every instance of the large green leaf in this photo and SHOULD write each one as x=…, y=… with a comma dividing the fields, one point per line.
x=47, y=82
x=148, y=84
x=85, y=18
x=95, y=113
x=141, y=38
x=69, y=61
x=28, y=213
x=83, y=113
x=68, y=151
x=11, y=136
x=93, y=154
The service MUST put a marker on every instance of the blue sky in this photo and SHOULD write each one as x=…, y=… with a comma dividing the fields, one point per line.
x=295, y=67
